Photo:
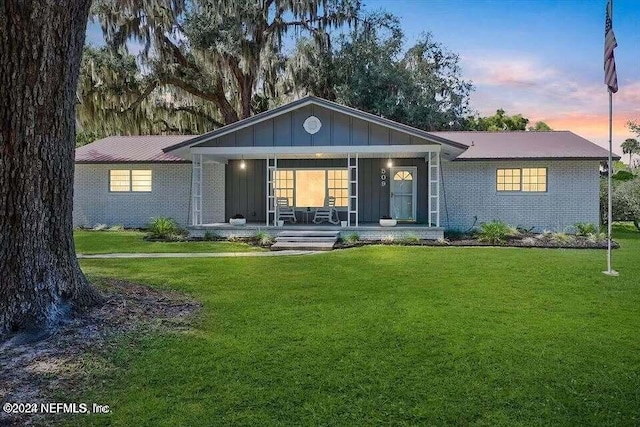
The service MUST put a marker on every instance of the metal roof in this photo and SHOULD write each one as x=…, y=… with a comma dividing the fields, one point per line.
x=128, y=149
x=525, y=145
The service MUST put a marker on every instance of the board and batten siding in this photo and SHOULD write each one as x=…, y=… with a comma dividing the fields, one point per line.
x=246, y=188
x=337, y=129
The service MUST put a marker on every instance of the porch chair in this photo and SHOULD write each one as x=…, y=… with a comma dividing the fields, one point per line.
x=328, y=212
x=285, y=212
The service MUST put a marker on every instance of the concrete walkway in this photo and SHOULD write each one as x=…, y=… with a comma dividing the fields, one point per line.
x=196, y=255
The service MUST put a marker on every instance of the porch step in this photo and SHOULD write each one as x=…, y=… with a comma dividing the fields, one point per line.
x=305, y=240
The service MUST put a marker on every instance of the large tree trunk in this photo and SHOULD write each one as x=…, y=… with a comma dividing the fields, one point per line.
x=40, y=49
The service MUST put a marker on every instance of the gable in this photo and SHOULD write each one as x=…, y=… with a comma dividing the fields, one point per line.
x=337, y=129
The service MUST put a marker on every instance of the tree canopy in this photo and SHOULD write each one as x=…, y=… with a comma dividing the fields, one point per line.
x=498, y=122
x=208, y=63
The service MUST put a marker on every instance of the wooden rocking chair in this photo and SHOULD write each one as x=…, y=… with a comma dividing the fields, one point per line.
x=327, y=213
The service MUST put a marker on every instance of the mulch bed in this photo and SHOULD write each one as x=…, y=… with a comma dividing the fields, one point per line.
x=33, y=372
x=524, y=241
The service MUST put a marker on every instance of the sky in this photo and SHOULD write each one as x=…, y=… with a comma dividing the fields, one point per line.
x=540, y=58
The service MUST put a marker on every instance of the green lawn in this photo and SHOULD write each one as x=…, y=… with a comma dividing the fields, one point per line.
x=392, y=335
x=108, y=242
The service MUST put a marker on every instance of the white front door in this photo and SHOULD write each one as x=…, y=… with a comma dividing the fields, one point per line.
x=403, y=193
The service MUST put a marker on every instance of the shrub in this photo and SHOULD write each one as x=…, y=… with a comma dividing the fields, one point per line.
x=238, y=216
x=530, y=241
x=100, y=227
x=263, y=238
x=562, y=238
x=388, y=239
x=351, y=238
x=623, y=176
x=585, y=228
x=210, y=235
x=495, y=232
x=116, y=228
x=163, y=228
x=410, y=239
x=597, y=237
x=627, y=197
x=442, y=241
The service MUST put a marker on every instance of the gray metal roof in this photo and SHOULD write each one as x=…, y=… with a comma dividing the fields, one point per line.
x=127, y=149
x=525, y=145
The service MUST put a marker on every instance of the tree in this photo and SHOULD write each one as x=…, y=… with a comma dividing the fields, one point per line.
x=630, y=146
x=498, y=122
x=40, y=50
x=540, y=127
x=225, y=56
x=368, y=69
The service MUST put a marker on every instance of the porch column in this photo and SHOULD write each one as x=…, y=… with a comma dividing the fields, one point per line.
x=196, y=189
x=272, y=185
x=352, y=208
x=434, y=188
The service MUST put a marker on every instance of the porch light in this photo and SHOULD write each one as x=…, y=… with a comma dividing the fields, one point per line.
x=243, y=165
x=389, y=163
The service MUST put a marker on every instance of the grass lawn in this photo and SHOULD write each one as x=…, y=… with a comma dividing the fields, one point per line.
x=108, y=242
x=393, y=335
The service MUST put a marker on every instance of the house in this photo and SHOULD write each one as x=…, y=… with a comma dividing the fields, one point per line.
x=304, y=152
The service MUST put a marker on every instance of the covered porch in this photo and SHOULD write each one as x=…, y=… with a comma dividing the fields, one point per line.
x=366, y=184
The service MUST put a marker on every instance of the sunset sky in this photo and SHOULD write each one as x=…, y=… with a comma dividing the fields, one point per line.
x=540, y=58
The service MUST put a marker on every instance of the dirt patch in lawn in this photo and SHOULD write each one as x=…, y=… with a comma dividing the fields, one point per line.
x=36, y=372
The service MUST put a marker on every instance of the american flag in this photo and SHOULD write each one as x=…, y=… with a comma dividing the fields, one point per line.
x=610, y=43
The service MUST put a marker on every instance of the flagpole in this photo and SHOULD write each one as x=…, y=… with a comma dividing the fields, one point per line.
x=610, y=271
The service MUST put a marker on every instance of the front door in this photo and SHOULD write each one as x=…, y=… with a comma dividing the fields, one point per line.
x=403, y=193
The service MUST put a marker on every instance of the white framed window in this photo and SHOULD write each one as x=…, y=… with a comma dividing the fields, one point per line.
x=534, y=179
x=531, y=180
x=130, y=180
x=308, y=188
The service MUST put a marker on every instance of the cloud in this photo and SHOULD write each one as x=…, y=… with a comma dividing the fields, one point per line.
x=566, y=100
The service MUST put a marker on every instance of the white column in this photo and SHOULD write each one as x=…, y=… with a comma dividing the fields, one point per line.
x=272, y=185
x=196, y=189
x=352, y=209
x=434, y=188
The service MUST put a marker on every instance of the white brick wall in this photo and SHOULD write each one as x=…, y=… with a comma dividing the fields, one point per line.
x=95, y=204
x=470, y=190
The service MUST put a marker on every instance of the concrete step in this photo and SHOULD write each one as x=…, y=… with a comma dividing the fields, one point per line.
x=303, y=246
x=305, y=239
x=306, y=233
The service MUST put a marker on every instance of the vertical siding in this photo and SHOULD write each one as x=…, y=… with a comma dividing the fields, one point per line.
x=246, y=189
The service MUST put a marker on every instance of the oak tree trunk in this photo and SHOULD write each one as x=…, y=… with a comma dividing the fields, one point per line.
x=40, y=50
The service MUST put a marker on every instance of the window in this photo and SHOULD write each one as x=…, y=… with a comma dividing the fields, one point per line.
x=283, y=179
x=534, y=179
x=338, y=186
x=127, y=180
x=508, y=180
x=310, y=187
x=525, y=179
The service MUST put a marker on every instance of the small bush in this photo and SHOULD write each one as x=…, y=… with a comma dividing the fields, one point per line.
x=410, y=239
x=495, y=232
x=116, y=228
x=263, y=238
x=210, y=236
x=562, y=238
x=388, y=240
x=442, y=241
x=530, y=241
x=584, y=228
x=100, y=227
x=163, y=228
x=597, y=237
x=351, y=238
